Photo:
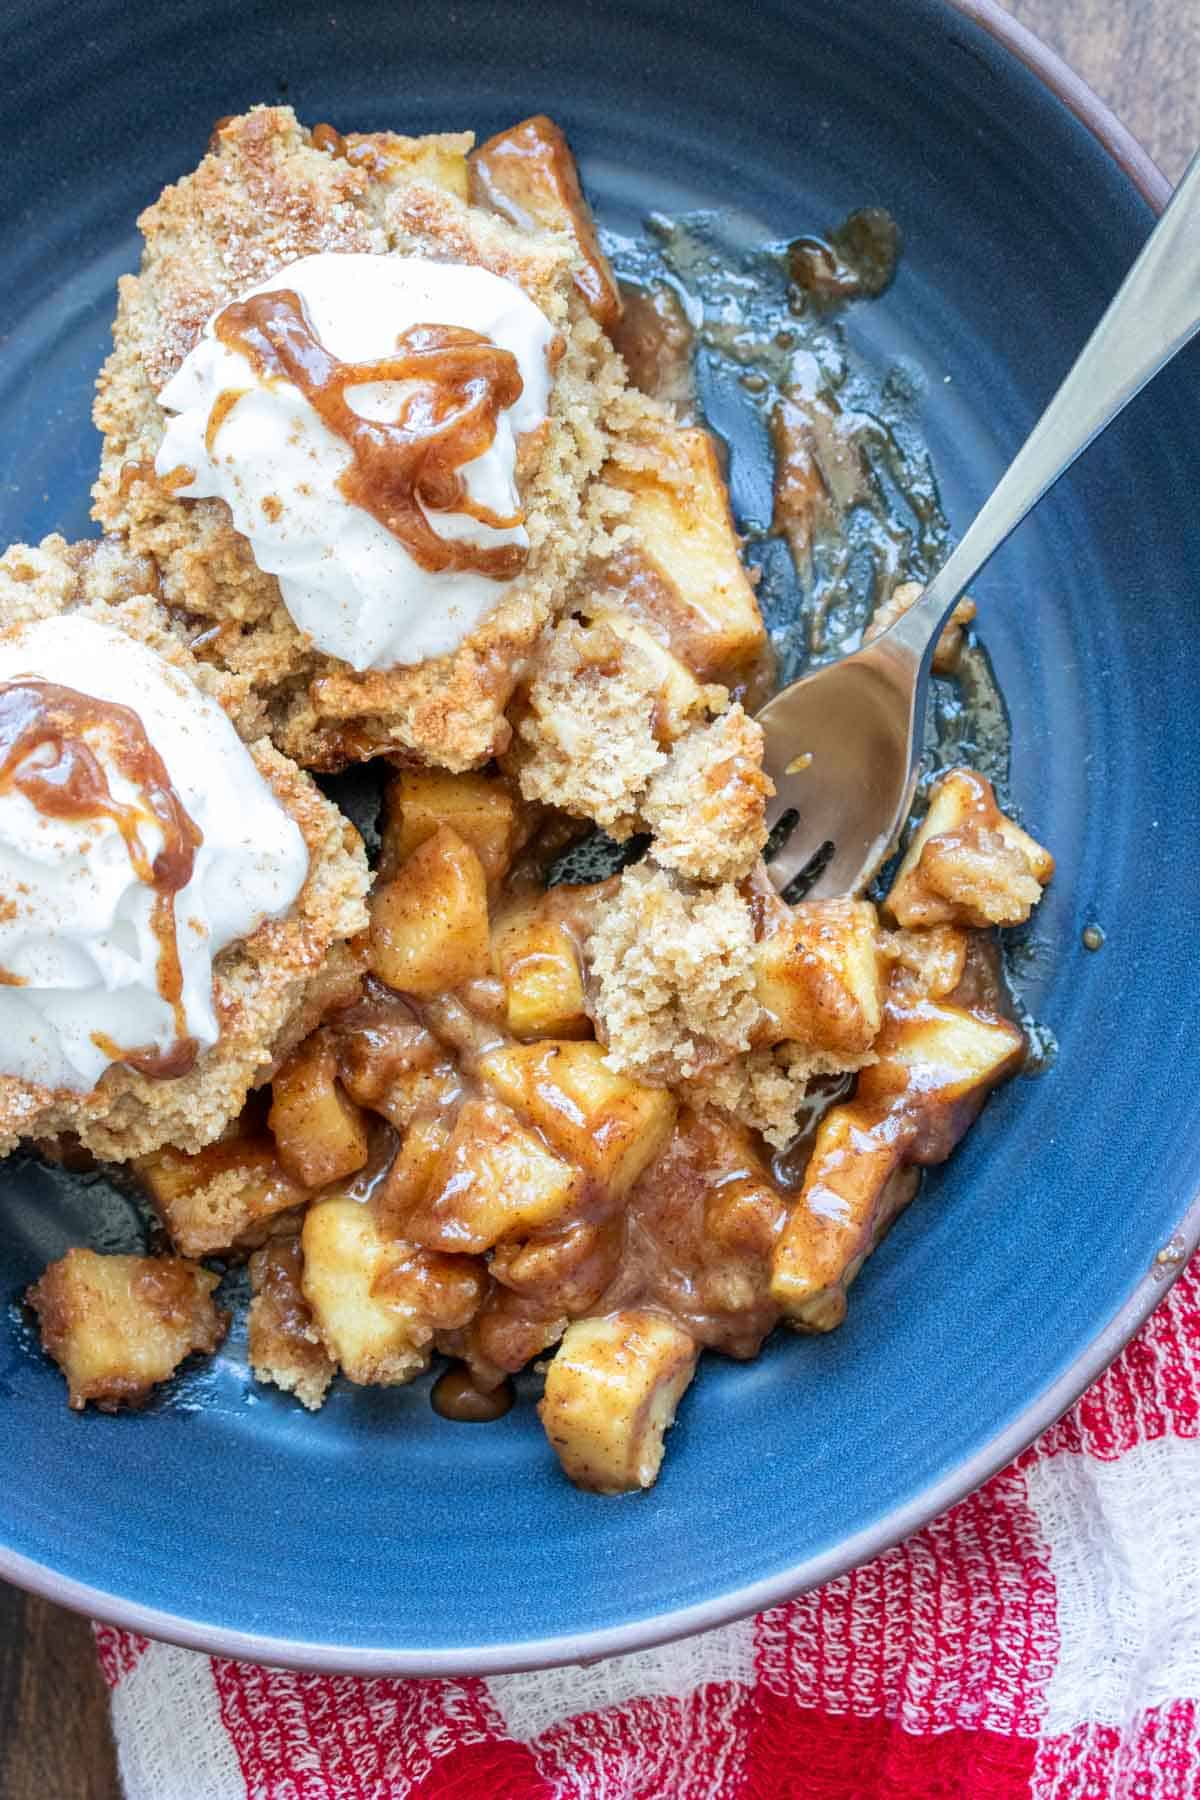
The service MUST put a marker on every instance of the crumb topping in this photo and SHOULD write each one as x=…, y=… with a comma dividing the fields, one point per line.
x=589, y=728
x=261, y=985
x=674, y=976
x=263, y=197
x=706, y=805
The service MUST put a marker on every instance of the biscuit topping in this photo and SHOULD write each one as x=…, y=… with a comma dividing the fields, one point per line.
x=377, y=403
x=134, y=845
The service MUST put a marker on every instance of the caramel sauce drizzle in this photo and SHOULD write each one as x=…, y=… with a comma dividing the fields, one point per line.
x=361, y=154
x=180, y=476
x=71, y=784
x=223, y=405
x=456, y=385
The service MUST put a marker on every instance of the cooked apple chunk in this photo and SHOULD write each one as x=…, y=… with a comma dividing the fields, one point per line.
x=411, y=1174
x=609, y=1126
x=117, y=1325
x=415, y=1092
x=429, y=924
x=222, y=1197
x=819, y=978
x=376, y=1301
x=495, y=1179
x=480, y=808
x=506, y=1334
x=435, y=1293
x=566, y=1271
x=285, y=1346
x=390, y=1063
x=679, y=569
x=378, y=1040
x=534, y=955
x=968, y=864
x=527, y=174
x=701, y=1226
x=836, y=1219
x=320, y=1135
x=439, y=160
x=936, y=1066
x=611, y=1394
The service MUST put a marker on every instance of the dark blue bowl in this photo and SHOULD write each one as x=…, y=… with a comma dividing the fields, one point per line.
x=375, y=1536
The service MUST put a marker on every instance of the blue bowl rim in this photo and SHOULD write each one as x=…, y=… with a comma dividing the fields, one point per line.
x=590, y=1646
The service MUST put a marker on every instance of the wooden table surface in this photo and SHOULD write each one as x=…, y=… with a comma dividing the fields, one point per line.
x=1143, y=58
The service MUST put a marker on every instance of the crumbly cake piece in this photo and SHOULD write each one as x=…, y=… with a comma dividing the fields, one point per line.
x=587, y=739
x=626, y=717
x=232, y=1196
x=676, y=981
x=264, y=986
x=591, y=742
x=706, y=805
x=262, y=197
x=766, y=1088
x=673, y=976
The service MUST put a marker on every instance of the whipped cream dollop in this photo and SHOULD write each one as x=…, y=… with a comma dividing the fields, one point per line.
x=79, y=950
x=255, y=441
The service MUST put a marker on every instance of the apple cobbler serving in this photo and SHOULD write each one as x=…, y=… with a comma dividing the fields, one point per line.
x=396, y=472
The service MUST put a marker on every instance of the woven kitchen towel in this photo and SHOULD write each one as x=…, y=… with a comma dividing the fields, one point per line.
x=1041, y=1639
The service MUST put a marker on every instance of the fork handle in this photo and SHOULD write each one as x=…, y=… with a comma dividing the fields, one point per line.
x=1155, y=313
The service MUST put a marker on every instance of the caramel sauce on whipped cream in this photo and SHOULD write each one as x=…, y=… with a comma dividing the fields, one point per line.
x=456, y=383
x=71, y=783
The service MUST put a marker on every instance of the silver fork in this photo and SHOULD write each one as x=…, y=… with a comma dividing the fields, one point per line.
x=843, y=744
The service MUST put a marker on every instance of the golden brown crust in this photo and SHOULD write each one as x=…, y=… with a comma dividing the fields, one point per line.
x=262, y=198
x=707, y=806
x=262, y=985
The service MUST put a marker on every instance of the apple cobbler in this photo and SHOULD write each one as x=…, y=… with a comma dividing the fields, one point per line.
x=396, y=472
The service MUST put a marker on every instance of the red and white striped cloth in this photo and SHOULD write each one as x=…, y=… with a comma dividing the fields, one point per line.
x=1040, y=1640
